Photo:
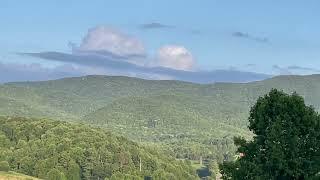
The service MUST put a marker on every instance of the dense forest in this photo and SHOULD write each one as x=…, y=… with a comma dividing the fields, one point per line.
x=48, y=149
x=185, y=121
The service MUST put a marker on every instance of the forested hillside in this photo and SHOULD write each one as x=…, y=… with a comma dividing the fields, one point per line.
x=193, y=121
x=178, y=122
x=77, y=97
x=47, y=149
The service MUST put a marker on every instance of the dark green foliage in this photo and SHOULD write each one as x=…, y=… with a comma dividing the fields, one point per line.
x=286, y=143
x=4, y=166
x=60, y=150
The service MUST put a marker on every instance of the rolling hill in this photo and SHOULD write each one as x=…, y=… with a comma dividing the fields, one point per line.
x=192, y=120
x=60, y=150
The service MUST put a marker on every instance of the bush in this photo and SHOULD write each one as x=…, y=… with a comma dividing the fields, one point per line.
x=4, y=166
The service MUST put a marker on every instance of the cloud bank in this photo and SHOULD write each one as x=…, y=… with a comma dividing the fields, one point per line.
x=108, y=51
x=116, y=67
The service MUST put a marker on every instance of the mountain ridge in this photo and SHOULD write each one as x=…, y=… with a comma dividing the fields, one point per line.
x=191, y=120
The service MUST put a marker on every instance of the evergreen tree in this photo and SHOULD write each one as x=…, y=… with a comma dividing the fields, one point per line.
x=286, y=143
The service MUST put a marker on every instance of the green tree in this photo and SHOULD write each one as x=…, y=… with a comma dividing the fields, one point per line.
x=73, y=172
x=116, y=176
x=55, y=174
x=286, y=143
x=4, y=141
x=4, y=166
x=27, y=165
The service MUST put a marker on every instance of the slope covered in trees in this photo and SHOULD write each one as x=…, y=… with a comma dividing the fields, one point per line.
x=47, y=149
x=77, y=97
x=191, y=120
x=177, y=122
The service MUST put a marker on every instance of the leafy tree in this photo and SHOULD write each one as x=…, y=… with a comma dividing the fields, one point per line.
x=4, y=141
x=55, y=174
x=73, y=171
x=117, y=176
x=4, y=166
x=286, y=143
x=27, y=165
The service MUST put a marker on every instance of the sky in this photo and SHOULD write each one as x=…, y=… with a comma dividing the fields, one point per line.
x=267, y=36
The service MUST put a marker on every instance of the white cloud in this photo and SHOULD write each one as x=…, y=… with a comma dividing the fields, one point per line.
x=175, y=57
x=111, y=43
x=107, y=39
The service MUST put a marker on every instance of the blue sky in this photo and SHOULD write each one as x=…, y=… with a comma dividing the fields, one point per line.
x=269, y=35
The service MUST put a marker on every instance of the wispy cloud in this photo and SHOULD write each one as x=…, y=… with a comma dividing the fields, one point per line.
x=281, y=70
x=160, y=26
x=294, y=69
x=300, y=68
x=248, y=36
x=155, y=25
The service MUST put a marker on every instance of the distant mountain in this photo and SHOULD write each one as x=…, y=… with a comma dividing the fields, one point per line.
x=180, y=116
x=82, y=95
x=122, y=67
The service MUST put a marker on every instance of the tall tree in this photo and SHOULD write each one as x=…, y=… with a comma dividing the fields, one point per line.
x=286, y=143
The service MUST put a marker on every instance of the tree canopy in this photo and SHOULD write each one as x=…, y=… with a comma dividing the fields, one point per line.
x=60, y=150
x=286, y=143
